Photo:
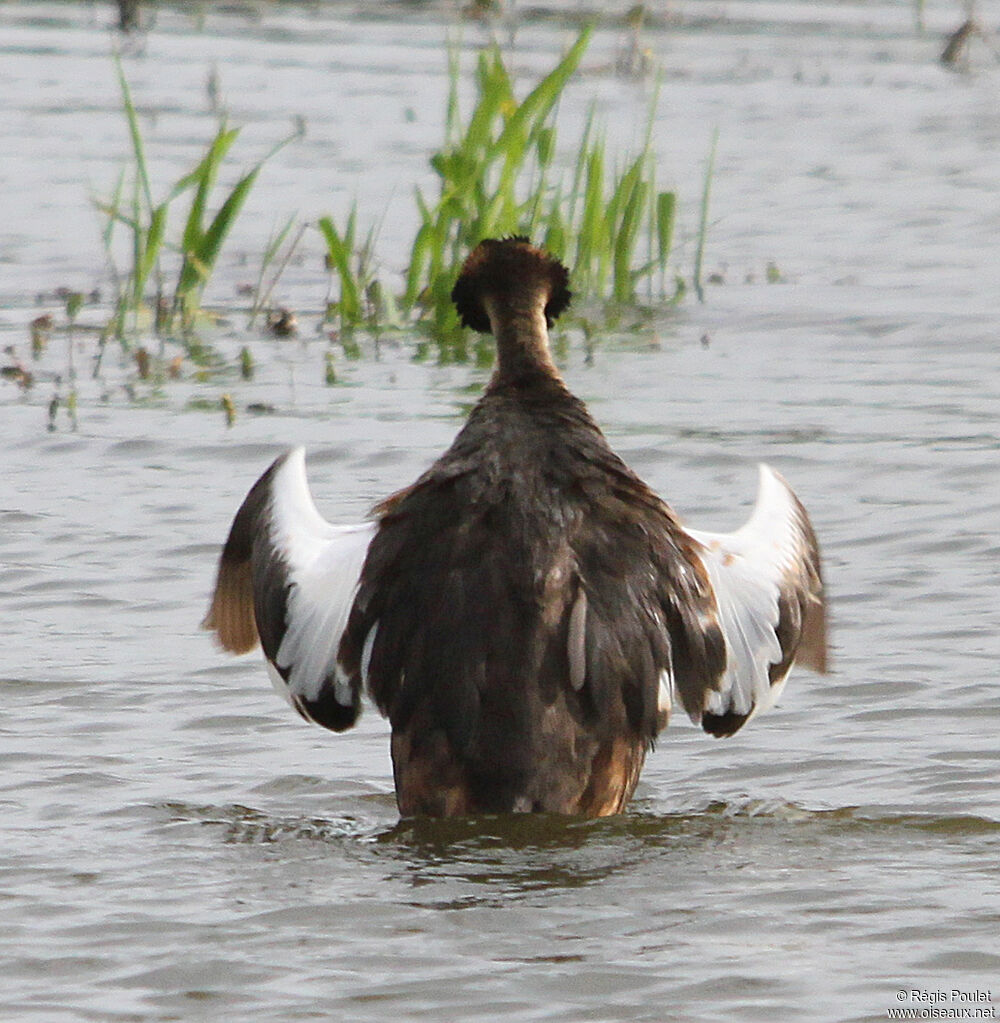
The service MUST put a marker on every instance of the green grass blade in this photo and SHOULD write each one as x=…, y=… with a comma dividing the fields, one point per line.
x=625, y=241
x=422, y=208
x=205, y=170
x=555, y=229
x=706, y=192
x=579, y=170
x=420, y=258
x=495, y=91
x=591, y=232
x=137, y=241
x=352, y=220
x=340, y=258
x=203, y=177
x=545, y=145
x=537, y=105
x=452, y=115
x=112, y=210
x=201, y=248
x=199, y=262
x=528, y=120
x=262, y=295
x=138, y=149
x=274, y=246
x=666, y=214
x=151, y=249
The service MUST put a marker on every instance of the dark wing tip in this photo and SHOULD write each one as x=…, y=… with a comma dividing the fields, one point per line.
x=331, y=714
x=724, y=725
x=503, y=265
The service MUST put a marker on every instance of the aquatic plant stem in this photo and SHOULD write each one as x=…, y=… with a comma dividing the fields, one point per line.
x=706, y=193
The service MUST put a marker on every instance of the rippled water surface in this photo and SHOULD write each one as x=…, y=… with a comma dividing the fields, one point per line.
x=177, y=846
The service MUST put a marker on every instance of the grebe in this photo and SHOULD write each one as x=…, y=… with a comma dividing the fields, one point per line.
x=526, y=611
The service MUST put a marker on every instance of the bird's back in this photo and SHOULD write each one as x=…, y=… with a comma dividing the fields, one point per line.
x=516, y=647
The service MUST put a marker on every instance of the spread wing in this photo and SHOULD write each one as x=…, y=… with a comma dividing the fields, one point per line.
x=768, y=588
x=288, y=578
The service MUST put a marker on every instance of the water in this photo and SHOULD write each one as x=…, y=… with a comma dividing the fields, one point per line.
x=178, y=846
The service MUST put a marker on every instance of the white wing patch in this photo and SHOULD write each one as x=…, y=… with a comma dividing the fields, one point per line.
x=323, y=564
x=769, y=562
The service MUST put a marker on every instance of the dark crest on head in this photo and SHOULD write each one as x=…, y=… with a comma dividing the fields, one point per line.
x=503, y=267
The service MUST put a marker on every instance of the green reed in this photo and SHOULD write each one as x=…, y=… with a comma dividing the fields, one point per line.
x=706, y=193
x=342, y=260
x=499, y=175
x=145, y=220
x=273, y=256
x=500, y=171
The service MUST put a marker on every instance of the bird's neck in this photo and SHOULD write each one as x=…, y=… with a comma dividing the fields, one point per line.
x=521, y=335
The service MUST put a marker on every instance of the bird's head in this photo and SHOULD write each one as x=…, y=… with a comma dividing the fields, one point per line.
x=509, y=273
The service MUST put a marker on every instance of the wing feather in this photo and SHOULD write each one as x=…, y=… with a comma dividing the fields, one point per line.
x=768, y=585
x=289, y=578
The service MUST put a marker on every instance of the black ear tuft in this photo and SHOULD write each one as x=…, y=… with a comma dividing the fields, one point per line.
x=467, y=293
x=560, y=295
x=503, y=267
